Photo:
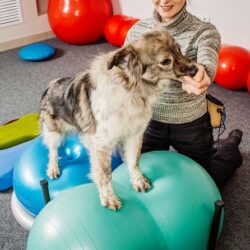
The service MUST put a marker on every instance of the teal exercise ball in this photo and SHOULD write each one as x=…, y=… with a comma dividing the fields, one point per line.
x=176, y=213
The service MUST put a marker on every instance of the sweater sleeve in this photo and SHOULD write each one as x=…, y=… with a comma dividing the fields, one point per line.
x=208, y=45
x=128, y=37
x=134, y=33
x=137, y=30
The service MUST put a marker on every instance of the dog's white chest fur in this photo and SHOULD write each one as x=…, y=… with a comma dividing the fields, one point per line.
x=118, y=113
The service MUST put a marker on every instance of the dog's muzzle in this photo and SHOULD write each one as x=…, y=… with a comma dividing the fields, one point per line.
x=191, y=70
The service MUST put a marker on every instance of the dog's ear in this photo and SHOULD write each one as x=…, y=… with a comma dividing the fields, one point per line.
x=127, y=59
x=124, y=58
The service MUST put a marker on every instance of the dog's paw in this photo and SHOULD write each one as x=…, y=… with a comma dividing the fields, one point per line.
x=141, y=184
x=111, y=202
x=53, y=172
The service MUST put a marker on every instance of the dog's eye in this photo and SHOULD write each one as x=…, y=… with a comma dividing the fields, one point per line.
x=166, y=61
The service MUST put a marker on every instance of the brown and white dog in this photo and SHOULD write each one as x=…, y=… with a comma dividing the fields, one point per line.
x=112, y=102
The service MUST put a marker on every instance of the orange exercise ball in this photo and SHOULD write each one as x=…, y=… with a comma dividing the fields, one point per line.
x=233, y=67
x=78, y=21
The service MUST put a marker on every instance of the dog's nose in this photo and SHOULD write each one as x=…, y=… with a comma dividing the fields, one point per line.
x=191, y=70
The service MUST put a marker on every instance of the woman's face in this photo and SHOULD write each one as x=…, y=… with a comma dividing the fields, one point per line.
x=168, y=8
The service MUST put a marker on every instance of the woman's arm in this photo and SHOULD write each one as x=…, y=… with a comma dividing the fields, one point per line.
x=207, y=44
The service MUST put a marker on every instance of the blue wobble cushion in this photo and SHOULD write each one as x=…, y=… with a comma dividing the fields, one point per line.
x=36, y=52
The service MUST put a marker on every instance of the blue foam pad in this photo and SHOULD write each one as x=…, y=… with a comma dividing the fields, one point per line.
x=8, y=158
x=36, y=52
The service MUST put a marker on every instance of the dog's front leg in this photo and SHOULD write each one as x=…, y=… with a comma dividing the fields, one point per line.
x=101, y=174
x=52, y=140
x=132, y=147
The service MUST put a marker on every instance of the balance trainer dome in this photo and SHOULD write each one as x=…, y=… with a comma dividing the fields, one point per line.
x=175, y=214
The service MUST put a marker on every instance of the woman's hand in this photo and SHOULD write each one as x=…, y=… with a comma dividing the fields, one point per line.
x=198, y=84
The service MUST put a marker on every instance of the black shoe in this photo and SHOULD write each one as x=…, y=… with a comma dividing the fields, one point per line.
x=233, y=140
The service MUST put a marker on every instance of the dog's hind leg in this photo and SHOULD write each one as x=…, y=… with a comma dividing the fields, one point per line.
x=132, y=148
x=52, y=139
x=100, y=158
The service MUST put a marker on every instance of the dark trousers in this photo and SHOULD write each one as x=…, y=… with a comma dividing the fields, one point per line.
x=195, y=140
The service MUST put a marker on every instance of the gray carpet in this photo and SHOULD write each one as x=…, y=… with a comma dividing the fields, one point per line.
x=21, y=86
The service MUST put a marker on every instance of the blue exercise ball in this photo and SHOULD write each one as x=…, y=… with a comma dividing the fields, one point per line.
x=30, y=169
x=8, y=157
x=176, y=213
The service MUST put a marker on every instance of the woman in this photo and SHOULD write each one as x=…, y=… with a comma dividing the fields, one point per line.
x=180, y=118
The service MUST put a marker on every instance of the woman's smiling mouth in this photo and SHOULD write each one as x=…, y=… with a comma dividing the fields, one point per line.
x=166, y=8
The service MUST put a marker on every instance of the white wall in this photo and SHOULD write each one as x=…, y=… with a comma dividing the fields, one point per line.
x=232, y=18
x=134, y=8
x=32, y=23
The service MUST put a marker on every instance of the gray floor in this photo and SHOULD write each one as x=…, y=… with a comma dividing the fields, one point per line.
x=21, y=86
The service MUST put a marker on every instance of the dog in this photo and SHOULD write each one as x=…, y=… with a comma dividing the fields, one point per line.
x=112, y=102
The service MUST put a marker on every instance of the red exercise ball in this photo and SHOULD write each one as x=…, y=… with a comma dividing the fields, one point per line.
x=111, y=29
x=248, y=82
x=127, y=23
x=233, y=67
x=78, y=21
x=117, y=27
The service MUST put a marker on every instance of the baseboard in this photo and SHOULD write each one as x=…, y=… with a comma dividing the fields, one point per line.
x=26, y=40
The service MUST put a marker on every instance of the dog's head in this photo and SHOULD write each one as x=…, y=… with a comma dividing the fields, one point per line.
x=153, y=57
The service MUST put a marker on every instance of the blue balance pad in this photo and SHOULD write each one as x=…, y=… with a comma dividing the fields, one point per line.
x=36, y=52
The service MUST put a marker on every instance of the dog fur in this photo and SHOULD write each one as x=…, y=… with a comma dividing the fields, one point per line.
x=112, y=102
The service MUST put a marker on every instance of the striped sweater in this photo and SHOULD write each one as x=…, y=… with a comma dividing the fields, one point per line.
x=200, y=41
